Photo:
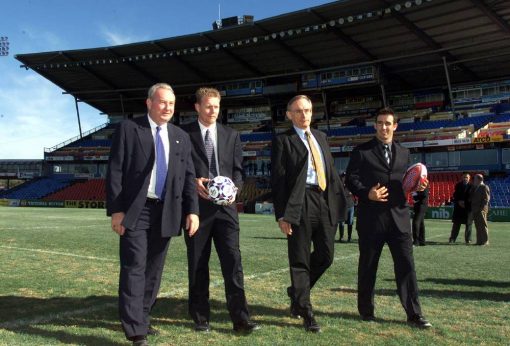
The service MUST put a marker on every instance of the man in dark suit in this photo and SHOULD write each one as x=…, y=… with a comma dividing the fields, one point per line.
x=308, y=199
x=462, y=209
x=150, y=188
x=420, y=206
x=374, y=175
x=216, y=150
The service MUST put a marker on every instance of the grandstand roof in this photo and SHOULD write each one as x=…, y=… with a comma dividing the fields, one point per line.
x=406, y=39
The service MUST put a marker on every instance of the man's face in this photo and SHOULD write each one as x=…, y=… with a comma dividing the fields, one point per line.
x=465, y=178
x=384, y=127
x=208, y=110
x=161, y=106
x=300, y=113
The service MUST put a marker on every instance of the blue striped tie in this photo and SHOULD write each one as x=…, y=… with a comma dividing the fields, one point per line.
x=161, y=165
x=209, y=151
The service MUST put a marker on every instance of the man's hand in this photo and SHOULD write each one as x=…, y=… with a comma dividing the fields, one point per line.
x=192, y=224
x=378, y=193
x=285, y=227
x=117, y=219
x=202, y=189
x=423, y=185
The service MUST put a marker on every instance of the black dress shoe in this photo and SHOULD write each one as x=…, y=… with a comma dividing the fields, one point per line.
x=311, y=324
x=202, y=327
x=368, y=318
x=152, y=331
x=419, y=322
x=246, y=326
x=139, y=340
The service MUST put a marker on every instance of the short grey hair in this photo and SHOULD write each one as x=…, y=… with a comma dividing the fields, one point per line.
x=297, y=97
x=152, y=89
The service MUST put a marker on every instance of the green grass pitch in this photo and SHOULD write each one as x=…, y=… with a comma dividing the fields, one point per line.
x=59, y=271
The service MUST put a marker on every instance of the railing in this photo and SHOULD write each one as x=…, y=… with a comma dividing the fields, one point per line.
x=71, y=140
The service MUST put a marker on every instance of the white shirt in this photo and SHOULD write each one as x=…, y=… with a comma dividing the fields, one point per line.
x=151, y=193
x=311, y=174
x=213, y=135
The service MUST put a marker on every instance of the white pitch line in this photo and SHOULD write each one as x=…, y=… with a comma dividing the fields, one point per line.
x=47, y=318
x=58, y=253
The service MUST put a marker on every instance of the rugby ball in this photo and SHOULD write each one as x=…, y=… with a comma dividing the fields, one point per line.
x=414, y=176
x=222, y=190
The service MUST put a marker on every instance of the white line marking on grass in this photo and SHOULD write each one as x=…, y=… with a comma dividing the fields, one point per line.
x=58, y=253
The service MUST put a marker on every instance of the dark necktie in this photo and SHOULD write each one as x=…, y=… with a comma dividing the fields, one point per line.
x=161, y=164
x=209, y=151
x=387, y=153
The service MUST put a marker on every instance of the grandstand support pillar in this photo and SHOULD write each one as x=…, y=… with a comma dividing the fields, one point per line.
x=78, y=115
x=122, y=105
x=324, y=102
x=383, y=93
x=449, y=84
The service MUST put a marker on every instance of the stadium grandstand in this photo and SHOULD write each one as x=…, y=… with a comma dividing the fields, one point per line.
x=443, y=65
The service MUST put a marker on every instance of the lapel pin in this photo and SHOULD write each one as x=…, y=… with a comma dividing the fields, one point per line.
x=177, y=142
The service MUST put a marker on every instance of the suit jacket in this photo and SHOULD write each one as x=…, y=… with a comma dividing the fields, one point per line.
x=367, y=167
x=421, y=198
x=480, y=197
x=289, y=163
x=230, y=162
x=130, y=165
x=461, y=193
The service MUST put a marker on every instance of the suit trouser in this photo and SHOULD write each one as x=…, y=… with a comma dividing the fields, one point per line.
x=456, y=229
x=419, y=224
x=224, y=231
x=142, y=257
x=482, y=230
x=349, y=222
x=305, y=267
x=401, y=248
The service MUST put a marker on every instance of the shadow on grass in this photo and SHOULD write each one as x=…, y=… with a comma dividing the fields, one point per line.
x=270, y=238
x=453, y=294
x=82, y=321
x=40, y=317
x=468, y=282
x=441, y=243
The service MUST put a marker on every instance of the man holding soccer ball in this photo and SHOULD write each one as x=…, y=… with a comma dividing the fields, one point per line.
x=216, y=151
x=374, y=175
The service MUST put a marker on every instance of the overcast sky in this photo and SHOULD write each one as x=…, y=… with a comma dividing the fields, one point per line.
x=34, y=113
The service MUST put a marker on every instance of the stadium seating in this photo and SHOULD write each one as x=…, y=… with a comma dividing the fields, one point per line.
x=38, y=188
x=90, y=190
x=500, y=191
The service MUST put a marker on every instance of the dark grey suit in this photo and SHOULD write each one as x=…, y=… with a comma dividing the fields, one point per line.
x=149, y=225
x=312, y=214
x=219, y=224
x=382, y=222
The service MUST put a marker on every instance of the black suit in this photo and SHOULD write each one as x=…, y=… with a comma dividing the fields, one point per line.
x=219, y=224
x=382, y=222
x=421, y=203
x=149, y=226
x=312, y=214
x=460, y=214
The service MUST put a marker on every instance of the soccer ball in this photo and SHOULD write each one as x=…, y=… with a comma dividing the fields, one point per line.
x=414, y=176
x=222, y=190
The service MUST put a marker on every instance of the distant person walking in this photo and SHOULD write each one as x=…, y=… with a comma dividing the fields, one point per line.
x=348, y=218
x=421, y=202
x=480, y=197
x=461, y=208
